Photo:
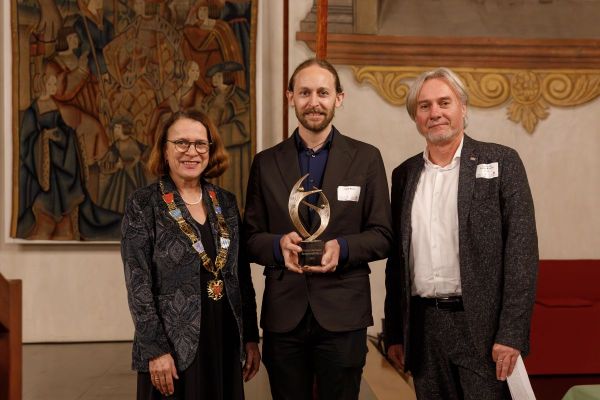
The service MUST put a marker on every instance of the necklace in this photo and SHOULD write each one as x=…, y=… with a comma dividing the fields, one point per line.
x=316, y=147
x=215, y=285
x=194, y=202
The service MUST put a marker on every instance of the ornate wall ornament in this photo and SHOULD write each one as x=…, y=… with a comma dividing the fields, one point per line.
x=527, y=93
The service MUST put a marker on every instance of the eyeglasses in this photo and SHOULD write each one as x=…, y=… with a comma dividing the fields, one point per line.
x=183, y=145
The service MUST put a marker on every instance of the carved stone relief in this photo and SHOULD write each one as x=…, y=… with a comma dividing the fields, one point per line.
x=527, y=94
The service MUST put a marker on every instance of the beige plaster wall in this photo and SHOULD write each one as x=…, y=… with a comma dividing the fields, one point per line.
x=76, y=292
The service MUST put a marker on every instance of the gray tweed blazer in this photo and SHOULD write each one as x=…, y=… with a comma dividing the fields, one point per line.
x=498, y=249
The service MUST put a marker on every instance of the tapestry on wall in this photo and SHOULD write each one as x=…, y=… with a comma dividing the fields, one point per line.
x=93, y=83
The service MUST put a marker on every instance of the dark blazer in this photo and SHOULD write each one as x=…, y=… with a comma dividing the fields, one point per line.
x=162, y=275
x=497, y=249
x=340, y=301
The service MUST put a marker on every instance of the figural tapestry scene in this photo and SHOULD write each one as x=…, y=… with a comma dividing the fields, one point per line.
x=94, y=81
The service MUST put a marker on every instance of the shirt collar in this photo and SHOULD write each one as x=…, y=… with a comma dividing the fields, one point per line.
x=455, y=159
x=300, y=146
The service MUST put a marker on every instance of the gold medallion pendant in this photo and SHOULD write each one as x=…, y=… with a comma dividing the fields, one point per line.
x=215, y=286
x=215, y=289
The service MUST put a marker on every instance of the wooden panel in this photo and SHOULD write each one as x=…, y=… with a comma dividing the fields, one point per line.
x=349, y=49
x=10, y=339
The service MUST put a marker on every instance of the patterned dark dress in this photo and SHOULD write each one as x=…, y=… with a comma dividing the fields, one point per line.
x=216, y=372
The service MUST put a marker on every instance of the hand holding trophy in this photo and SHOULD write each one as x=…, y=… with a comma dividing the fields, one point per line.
x=312, y=249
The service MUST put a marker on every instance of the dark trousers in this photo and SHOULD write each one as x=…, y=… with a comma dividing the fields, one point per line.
x=445, y=362
x=294, y=359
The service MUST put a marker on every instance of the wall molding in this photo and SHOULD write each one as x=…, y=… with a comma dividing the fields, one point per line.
x=527, y=94
x=481, y=52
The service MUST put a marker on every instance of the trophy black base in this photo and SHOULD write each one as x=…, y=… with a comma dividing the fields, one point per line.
x=312, y=252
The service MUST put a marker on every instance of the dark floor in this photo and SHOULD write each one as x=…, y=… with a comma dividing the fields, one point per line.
x=100, y=371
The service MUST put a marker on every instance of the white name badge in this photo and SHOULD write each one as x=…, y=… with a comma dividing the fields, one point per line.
x=487, y=171
x=348, y=193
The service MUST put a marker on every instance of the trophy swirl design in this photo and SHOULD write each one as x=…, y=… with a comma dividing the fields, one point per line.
x=312, y=249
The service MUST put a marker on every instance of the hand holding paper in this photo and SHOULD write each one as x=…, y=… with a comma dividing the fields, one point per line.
x=518, y=383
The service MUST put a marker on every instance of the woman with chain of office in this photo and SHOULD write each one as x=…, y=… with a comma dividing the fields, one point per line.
x=188, y=280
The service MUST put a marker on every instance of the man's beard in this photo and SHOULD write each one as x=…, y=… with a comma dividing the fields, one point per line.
x=441, y=139
x=315, y=127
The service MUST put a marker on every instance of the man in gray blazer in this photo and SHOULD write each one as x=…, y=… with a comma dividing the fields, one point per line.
x=461, y=277
x=314, y=318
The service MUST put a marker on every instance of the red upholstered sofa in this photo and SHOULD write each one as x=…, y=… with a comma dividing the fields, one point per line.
x=565, y=331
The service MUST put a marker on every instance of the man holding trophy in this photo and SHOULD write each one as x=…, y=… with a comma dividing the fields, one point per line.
x=317, y=212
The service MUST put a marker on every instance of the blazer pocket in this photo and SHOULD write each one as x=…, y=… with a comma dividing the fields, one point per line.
x=351, y=184
x=350, y=198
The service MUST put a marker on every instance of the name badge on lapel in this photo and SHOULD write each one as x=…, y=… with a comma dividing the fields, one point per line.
x=487, y=171
x=348, y=193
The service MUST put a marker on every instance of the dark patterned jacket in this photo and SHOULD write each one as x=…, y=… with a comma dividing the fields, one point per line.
x=498, y=249
x=162, y=275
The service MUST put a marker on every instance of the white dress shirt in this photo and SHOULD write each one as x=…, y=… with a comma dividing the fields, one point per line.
x=433, y=259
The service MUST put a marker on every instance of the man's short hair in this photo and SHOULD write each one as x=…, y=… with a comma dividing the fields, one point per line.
x=321, y=63
x=455, y=83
